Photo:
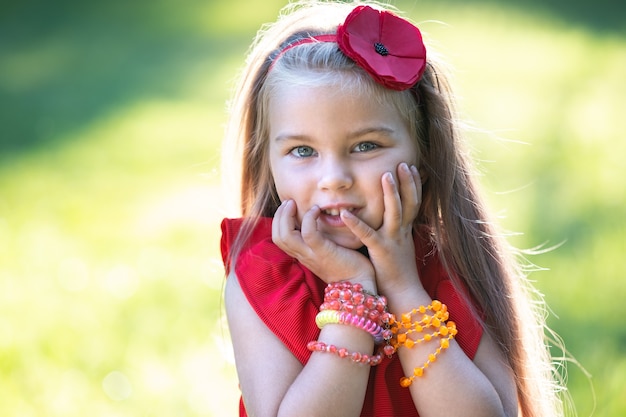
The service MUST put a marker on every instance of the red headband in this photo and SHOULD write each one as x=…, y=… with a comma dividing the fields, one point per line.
x=388, y=47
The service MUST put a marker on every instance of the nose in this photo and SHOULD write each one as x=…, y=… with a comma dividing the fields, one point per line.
x=335, y=174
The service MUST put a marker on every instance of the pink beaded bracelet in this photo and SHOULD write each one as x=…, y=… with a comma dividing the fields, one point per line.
x=371, y=360
x=353, y=299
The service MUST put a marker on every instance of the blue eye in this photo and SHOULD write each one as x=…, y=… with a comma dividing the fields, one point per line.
x=302, y=151
x=365, y=147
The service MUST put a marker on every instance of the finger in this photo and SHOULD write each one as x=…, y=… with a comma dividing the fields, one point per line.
x=284, y=233
x=276, y=221
x=277, y=218
x=360, y=229
x=392, y=216
x=284, y=218
x=409, y=194
x=418, y=184
x=310, y=234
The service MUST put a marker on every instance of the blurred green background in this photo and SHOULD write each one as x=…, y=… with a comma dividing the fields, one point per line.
x=111, y=118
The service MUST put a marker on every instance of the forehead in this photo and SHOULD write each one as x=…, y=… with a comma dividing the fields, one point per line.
x=354, y=89
x=342, y=82
x=301, y=104
x=337, y=85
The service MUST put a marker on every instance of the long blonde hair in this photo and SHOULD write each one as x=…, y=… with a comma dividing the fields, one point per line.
x=469, y=243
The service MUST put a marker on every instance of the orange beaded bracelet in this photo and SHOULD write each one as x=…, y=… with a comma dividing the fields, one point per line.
x=444, y=343
x=434, y=316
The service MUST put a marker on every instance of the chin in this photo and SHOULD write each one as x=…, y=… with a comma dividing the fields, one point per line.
x=349, y=242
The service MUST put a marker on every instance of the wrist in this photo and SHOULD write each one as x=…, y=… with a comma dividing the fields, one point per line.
x=360, y=315
x=402, y=300
x=367, y=282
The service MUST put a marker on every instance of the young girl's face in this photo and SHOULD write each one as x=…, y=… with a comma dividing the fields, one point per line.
x=330, y=149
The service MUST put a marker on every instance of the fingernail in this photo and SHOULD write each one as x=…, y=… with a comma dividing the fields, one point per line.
x=347, y=215
x=390, y=178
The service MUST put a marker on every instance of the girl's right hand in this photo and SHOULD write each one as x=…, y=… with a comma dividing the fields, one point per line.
x=327, y=260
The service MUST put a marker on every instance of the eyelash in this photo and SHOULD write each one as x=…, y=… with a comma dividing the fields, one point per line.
x=295, y=151
x=371, y=146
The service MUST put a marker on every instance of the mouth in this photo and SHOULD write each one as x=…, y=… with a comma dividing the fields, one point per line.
x=331, y=215
x=332, y=225
x=337, y=211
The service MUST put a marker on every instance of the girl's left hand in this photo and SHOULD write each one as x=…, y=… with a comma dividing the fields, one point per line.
x=391, y=247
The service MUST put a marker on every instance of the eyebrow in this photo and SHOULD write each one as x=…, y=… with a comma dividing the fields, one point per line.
x=387, y=131
x=285, y=137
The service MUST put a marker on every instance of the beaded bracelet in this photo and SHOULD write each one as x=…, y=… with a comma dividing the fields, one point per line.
x=444, y=343
x=371, y=360
x=353, y=299
x=438, y=319
x=439, y=315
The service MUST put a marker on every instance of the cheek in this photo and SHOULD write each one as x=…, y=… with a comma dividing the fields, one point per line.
x=289, y=187
x=378, y=210
x=278, y=179
x=292, y=181
x=373, y=194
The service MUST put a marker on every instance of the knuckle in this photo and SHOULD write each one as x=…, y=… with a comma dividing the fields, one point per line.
x=368, y=233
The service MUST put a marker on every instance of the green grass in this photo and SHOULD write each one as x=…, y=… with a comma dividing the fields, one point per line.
x=110, y=275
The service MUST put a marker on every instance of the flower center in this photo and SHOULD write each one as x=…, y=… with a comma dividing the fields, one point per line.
x=380, y=49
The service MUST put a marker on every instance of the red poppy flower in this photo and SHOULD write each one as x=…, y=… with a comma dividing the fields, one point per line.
x=388, y=47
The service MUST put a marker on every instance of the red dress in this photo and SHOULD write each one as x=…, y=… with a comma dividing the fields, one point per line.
x=277, y=286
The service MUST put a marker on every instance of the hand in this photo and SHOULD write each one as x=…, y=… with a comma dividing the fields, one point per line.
x=329, y=261
x=391, y=247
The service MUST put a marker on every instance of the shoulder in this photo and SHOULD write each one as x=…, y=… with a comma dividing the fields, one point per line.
x=260, y=265
x=274, y=284
x=241, y=233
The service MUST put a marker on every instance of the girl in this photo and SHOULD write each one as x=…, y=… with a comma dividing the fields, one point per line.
x=365, y=276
